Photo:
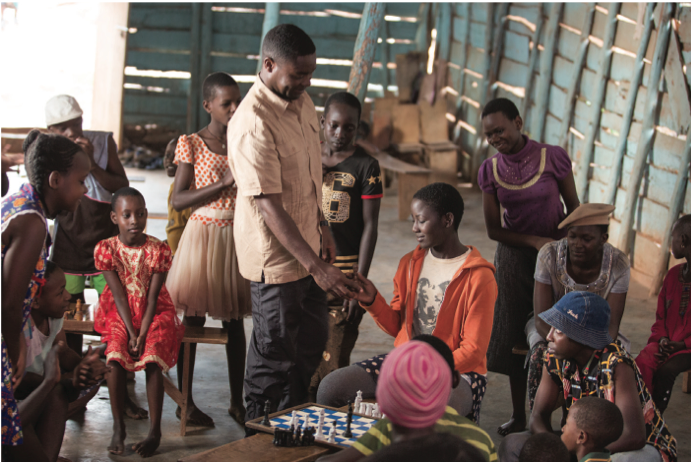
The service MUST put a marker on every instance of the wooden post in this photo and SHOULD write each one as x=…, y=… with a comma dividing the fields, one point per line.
x=194, y=99
x=546, y=63
x=272, y=13
x=532, y=65
x=205, y=57
x=464, y=60
x=423, y=33
x=601, y=78
x=576, y=76
x=498, y=49
x=385, y=56
x=365, y=48
x=627, y=118
x=478, y=152
x=645, y=143
x=109, y=78
x=675, y=208
x=444, y=31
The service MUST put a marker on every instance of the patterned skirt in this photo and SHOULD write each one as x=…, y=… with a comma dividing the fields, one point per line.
x=515, y=280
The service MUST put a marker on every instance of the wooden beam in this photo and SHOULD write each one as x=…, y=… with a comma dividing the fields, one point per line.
x=478, y=152
x=576, y=76
x=532, y=66
x=645, y=143
x=365, y=48
x=601, y=77
x=677, y=87
x=423, y=33
x=205, y=57
x=464, y=61
x=632, y=94
x=194, y=99
x=546, y=63
x=109, y=75
x=385, y=55
x=675, y=208
x=498, y=49
x=272, y=14
x=444, y=31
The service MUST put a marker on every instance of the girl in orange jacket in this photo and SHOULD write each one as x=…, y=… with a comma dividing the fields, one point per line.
x=442, y=288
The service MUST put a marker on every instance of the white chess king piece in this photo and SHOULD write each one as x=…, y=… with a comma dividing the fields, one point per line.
x=358, y=401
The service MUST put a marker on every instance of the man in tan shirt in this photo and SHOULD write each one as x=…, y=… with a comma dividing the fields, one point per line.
x=274, y=153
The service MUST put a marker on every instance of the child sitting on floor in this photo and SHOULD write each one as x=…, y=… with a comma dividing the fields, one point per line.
x=544, y=447
x=136, y=316
x=176, y=220
x=592, y=425
x=668, y=352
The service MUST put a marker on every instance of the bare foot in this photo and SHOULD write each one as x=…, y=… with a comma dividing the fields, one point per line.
x=512, y=426
x=196, y=417
x=148, y=446
x=133, y=411
x=117, y=443
x=237, y=412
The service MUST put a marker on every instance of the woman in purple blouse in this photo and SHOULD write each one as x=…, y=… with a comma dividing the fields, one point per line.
x=529, y=180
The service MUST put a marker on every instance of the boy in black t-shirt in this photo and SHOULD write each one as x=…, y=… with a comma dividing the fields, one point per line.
x=351, y=195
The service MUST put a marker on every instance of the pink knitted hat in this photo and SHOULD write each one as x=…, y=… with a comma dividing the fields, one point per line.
x=414, y=385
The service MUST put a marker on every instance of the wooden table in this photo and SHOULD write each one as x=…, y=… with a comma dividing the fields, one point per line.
x=258, y=448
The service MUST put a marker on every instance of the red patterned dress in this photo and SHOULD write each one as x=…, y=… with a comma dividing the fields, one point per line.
x=135, y=267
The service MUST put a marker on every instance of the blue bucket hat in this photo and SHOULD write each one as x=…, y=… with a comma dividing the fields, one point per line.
x=583, y=317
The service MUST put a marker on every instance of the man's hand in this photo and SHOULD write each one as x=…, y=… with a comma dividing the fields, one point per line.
x=328, y=246
x=332, y=280
x=88, y=148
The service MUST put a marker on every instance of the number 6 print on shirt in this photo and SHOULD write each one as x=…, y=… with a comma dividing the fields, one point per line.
x=336, y=204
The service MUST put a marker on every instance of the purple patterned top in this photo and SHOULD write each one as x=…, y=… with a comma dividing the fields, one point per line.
x=526, y=184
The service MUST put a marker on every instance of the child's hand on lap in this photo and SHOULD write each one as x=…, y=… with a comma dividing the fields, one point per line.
x=51, y=366
x=139, y=345
x=132, y=346
x=89, y=371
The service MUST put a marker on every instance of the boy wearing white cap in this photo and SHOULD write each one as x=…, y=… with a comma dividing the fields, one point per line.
x=77, y=233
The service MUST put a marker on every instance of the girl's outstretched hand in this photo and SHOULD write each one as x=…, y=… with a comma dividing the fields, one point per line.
x=367, y=292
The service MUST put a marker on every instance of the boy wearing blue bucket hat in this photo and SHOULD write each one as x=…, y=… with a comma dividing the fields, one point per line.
x=583, y=360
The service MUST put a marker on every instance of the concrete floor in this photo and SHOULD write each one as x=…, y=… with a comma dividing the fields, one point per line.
x=87, y=436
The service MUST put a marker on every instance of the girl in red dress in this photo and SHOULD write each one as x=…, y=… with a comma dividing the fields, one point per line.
x=136, y=316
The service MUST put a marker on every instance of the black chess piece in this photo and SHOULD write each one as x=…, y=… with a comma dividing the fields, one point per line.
x=348, y=433
x=267, y=410
x=298, y=433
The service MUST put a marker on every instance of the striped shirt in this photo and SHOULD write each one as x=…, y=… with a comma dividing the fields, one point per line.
x=597, y=457
x=379, y=435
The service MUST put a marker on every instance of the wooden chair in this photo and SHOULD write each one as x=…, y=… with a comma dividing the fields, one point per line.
x=208, y=335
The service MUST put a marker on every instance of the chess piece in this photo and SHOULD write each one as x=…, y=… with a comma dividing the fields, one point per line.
x=306, y=423
x=332, y=433
x=297, y=440
x=320, y=425
x=358, y=401
x=375, y=411
x=368, y=410
x=267, y=409
x=294, y=419
x=348, y=433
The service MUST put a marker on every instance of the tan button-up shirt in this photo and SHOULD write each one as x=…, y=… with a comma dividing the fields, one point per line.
x=273, y=147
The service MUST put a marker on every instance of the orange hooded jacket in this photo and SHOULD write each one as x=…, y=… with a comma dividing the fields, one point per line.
x=464, y=321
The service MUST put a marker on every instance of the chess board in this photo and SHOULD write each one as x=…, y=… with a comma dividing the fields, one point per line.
x=358, y=426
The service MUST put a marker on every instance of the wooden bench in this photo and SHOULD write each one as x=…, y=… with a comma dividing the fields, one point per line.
x=208, y=335
x=410, y=179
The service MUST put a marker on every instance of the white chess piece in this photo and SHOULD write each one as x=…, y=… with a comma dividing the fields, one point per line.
x=332, y=434
x=320, y=425
x=306, y=423
x=294, y=419
x=368, y=409
x=375, y=411
x=358, y=401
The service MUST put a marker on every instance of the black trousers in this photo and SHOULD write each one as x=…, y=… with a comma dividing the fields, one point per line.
x=288, y=338
x=664, y=378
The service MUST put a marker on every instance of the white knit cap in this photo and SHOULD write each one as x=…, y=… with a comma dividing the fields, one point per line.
x=62, y=108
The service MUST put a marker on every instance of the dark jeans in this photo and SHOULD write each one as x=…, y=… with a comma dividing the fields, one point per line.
x=664, y=378
x=288, y=338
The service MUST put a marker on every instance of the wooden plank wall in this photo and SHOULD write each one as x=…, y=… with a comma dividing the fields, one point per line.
x=160, y=39
x=467, y=74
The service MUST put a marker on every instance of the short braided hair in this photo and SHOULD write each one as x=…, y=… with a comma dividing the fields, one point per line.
x=127, y=191
x=214, y=81
x=599, y=418
x=47, y=153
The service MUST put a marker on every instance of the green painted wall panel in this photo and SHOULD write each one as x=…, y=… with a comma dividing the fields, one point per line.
x=142, y=15
x=158, y=61
x=517, y=47
x=153, y=39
